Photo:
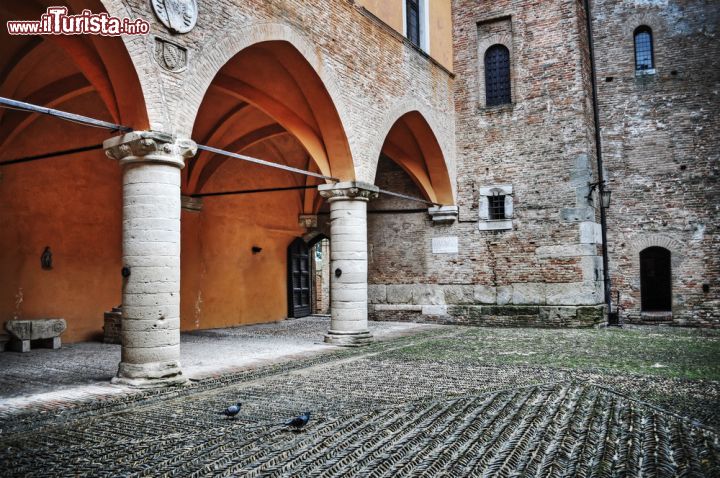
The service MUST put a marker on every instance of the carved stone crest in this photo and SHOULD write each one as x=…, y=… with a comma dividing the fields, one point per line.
x=170, y=56
x=179, y=16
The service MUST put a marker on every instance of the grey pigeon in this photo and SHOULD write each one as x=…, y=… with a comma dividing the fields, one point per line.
x=298, y=422
x=232, y=410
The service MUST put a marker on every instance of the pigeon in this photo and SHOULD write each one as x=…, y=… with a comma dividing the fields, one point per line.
x=232, y=410
x=298, y=422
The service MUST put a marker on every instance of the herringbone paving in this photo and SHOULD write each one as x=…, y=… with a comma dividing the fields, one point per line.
x=373, y=415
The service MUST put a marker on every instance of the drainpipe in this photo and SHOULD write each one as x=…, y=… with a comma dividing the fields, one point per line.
x=598, y=150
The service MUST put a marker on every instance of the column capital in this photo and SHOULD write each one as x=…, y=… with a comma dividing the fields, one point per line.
x=349, y=190
x=150, y=146
x=443, y=214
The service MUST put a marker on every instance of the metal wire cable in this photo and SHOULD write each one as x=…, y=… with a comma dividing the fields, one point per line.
x=88, y=121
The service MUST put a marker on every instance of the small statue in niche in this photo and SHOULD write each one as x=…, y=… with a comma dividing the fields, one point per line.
x=46, y=259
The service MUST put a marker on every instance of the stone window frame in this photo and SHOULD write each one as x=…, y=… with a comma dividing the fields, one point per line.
x=643, y=28
x=487, y=224
x=504, y=39
x=424, y=10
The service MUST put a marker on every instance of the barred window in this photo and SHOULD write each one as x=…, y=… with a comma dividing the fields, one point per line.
x=412, y=8
x=496, y=207
x=497, y=75
x=644, y=49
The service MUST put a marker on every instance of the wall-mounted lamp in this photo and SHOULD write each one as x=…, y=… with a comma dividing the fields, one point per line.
x=256, y=249
x=604, y=194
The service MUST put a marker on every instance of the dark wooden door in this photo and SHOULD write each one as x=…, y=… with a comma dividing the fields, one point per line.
x=299, y=283
x=655, y=280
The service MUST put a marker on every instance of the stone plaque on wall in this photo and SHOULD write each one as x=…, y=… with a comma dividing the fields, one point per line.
x=445, y=245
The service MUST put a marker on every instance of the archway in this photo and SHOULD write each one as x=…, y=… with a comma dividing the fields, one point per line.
x=412, y=145
x=308, y=280
x=268, y=102
x=69, y=203
x=655, y=280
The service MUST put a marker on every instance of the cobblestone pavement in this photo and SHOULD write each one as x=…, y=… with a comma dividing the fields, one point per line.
x=374, y=414
x=77, y=372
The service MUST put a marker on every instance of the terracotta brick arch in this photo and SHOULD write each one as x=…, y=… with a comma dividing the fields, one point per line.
x=210, y=61
x=418, y=127
x=640, y=243
x=656, y=240
x=99, y=65
x=140, y=59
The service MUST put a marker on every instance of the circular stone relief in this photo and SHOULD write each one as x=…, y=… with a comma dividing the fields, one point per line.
x=178, y=16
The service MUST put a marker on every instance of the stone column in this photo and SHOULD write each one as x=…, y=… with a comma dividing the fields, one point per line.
x=348, y=261
x=151, y=256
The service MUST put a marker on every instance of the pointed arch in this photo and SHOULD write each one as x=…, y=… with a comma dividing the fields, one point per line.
x=81, y=64
x=411, y=143
x=308, y=106
x=432, y=133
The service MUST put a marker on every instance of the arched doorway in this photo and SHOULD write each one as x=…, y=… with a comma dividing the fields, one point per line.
x=242, y=252
x=655, y=280
x=309, y=276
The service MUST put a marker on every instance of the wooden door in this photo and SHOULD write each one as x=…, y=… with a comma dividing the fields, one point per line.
x=299, y=280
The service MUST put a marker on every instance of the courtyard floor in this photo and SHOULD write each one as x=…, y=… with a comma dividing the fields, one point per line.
x=426, y=400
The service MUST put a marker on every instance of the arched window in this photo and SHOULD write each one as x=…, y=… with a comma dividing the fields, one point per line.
x=497, y=75
x=644, y=58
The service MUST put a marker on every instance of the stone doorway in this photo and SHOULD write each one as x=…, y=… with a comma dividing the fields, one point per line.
x=320, y=265
x=655, y=280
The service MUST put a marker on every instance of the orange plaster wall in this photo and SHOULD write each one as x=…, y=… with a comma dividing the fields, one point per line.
x=391, y=12
x=222, y=282
x=441, y=32
x=73, y=205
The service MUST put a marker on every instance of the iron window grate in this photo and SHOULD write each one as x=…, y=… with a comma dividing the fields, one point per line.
x=496, y=207
x=497, y=75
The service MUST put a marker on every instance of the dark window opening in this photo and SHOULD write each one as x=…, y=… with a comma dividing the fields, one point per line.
x=412, y=9
x=496, y=207
x=497, y=75
x=644, y=49
x=655, y=280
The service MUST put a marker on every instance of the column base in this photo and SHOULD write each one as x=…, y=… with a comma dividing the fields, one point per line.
x=348, y=339
x=150, y=375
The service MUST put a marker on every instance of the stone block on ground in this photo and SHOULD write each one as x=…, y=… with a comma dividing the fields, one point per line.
x=45, y=331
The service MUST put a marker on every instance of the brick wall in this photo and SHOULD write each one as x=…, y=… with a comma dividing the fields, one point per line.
x=547, y=269
x=660, y=149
